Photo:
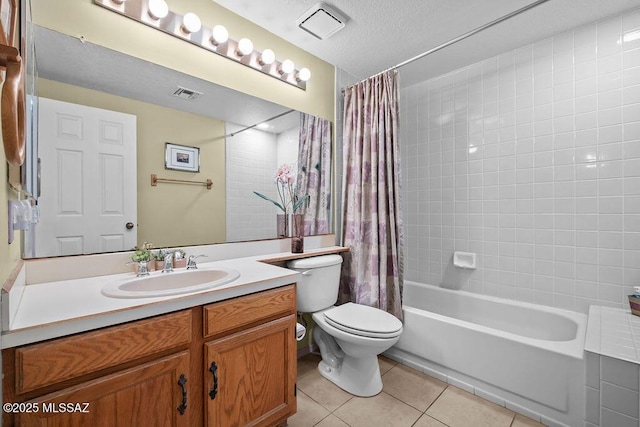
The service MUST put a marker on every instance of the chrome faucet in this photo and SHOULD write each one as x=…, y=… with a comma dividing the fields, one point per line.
x=143, y=268
x=191, y=262
x=167, y=267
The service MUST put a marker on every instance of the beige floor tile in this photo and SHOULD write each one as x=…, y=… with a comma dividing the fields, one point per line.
x=380, y=411
x=308, y=364
x=522, y=421
x=385, y=364
x=323, y=391
x=427, y=421
x=309, y=412
x=332, y=421
x=457, y=408
x=412, y=387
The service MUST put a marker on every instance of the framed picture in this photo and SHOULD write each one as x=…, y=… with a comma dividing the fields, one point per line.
x=181, y=157
x=8, y=13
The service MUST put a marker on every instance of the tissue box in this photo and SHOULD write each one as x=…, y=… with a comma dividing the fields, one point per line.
x=634, y=304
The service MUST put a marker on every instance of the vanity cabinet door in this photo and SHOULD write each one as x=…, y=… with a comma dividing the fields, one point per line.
x=250, y=376
x=147, y=395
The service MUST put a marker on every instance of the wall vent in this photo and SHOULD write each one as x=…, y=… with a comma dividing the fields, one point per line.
x=322, y=21
x=184, y=93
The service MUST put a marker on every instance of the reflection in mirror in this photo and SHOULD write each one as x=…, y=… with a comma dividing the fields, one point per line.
x=89, y=92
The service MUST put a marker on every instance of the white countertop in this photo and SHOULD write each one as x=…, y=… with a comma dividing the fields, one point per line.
x=54, y=309
x=613, y=332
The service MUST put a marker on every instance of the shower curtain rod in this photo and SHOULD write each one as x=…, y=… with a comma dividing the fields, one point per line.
x=264, y=121
x=459, y=38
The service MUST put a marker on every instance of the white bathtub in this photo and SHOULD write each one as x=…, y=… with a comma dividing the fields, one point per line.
x=524, y=356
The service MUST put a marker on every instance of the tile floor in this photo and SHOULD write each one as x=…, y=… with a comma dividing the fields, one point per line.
x=408, y=398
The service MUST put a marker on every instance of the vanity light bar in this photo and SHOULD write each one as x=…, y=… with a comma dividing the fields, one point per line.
x=201, y=36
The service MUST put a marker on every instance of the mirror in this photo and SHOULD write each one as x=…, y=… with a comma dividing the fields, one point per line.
x=220, y=124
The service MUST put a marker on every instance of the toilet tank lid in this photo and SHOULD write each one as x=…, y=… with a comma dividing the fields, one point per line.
x=314, y=262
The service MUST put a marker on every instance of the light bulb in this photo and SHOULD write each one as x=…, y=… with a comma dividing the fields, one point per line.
x=267, y=57
x=191, y=23
x=219, y=35
x=287, y=67
x=303, y=75
x=158, y=9
x=245, y=47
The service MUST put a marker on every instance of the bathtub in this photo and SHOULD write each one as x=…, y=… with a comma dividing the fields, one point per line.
x=524, y=356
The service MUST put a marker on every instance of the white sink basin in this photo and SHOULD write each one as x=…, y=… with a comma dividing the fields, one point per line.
x=160, y=284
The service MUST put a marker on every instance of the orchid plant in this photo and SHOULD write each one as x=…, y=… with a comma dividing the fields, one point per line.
x=285, y=184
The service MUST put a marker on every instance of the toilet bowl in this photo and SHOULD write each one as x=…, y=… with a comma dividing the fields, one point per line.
x=350, y=336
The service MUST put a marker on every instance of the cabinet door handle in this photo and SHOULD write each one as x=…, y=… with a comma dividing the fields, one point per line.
x=181, y=382
x=214, y=371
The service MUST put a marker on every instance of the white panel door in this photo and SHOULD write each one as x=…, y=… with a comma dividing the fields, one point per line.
x=88, y=180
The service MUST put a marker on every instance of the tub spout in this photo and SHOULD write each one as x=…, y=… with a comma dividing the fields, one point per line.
x=332, y=354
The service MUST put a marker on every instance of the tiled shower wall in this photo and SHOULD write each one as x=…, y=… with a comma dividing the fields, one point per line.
x=253, y=157
x=530, y=159
x=251, y=166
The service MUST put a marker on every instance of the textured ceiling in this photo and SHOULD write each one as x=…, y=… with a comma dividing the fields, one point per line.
x=383, y=33
x=65, y=59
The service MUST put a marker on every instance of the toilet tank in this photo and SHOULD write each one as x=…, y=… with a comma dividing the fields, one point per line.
x=318, y=286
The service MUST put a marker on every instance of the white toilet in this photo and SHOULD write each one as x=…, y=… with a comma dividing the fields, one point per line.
x=350, y=336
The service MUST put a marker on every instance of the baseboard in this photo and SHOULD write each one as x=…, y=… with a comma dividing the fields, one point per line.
x=313, y=348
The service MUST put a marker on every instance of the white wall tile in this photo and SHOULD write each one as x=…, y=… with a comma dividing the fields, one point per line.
x=630, y=77
x=553, y=181
x=612, y=418
x=610, y=64
x=631, y=58
x=619, y=399
x=608, y=81
x=619, y=372
x=252, y=164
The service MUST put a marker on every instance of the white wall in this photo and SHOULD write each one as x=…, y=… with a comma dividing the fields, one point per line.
x=532, y=160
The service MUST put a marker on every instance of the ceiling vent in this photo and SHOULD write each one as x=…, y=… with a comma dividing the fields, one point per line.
x=322, y=21
x=184, y=93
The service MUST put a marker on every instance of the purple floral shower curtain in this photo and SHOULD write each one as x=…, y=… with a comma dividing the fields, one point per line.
x=314, y=172
x=372, y=214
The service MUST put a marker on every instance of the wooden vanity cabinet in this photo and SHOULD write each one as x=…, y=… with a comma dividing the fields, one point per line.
x=156, y=371
x=147, y=395
x=251, y=363
x=124, y=375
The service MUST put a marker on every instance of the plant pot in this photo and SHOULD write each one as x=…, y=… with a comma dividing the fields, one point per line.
x=180, y=263
x=136, y=266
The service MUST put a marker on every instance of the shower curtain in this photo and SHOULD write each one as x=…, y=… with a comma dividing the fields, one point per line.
x=372, y=214
x=314, y=172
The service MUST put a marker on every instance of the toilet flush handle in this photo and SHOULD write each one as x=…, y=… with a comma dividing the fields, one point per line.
x=306, y=273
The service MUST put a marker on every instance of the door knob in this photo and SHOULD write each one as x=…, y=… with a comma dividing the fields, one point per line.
x=129, y=225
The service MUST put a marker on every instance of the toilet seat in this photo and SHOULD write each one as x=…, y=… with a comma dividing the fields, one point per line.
x=363, y=320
